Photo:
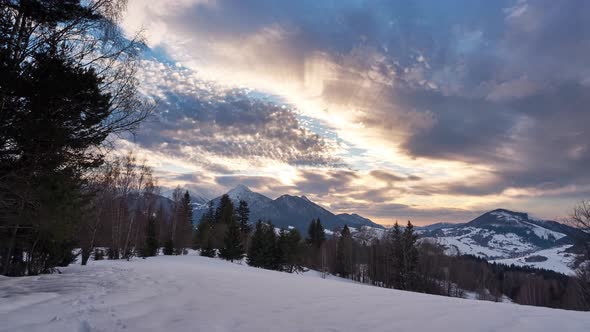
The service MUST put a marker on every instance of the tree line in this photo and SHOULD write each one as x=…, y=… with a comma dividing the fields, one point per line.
x=397, y=260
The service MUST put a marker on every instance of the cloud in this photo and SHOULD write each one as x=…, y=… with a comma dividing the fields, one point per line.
x=477, y=100
x=196, y=119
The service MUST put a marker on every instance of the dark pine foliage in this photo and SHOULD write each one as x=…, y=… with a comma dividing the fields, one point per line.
x=233, y=248
x=151, y=245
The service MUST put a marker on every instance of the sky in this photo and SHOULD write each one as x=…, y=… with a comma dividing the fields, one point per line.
x=429, y=111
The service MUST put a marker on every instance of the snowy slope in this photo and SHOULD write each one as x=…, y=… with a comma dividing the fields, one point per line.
x=192, y=293
x=510, y=237
x=556, y=259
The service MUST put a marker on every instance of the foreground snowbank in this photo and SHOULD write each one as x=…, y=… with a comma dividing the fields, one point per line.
x=192, y=293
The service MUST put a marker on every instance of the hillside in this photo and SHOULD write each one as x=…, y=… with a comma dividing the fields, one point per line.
x=192, y=293
x=287, y=211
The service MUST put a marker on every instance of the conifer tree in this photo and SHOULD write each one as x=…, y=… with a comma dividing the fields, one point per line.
x=204, y=236
x=282, y=250
x=394, y=256
x=151, y=245
x=256, y=249
x=243, y=217
x=410, y=257
x=225, y=210
x=316, y=234
x=344, y=253
x=168, y=247
x=294, y=252
x=232, y=244
x=263, y=251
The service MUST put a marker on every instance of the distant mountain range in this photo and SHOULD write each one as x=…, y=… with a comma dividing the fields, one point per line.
x=500, y=235
x=511, y=237
x=287, y=211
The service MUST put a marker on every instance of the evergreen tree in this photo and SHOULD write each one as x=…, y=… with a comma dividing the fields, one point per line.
x=281, y=251
x=151, y=245
x=272, y=258
x=232, y=248
x=316, y=233
x=293, y=252
x=225, y=211
x=410, y=257
x=256, y=249
x=394, y=257
x=344, y=253
x=243, y=217
x=263, y=251
x=66, y=85
x=204, y=236
x=168, y=247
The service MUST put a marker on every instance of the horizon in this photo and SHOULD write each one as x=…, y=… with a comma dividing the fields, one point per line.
x=415, y=111
x=387, y=225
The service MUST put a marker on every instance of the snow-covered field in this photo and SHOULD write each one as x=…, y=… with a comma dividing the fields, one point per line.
x=192, y=293
x=557, y=260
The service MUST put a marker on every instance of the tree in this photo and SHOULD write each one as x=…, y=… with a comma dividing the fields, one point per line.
x=232, y=244
x=184, y=226
x=344, y=266
x=225, y=211
x=410, y=257
x=293, y=252
x=394, y=257
x=257, y=245
x=243, y=217
x=151, y=245
x=168, y=247
x=263, y=251
x=315, y=233
x=67, y=84
x=204, y=234
x=223, y=217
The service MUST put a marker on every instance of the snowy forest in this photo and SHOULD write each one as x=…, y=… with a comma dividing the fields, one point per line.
x=68, y=90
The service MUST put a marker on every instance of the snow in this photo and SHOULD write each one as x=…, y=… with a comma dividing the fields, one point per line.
x=541, y=232
x=557, y=260
x=499, y=246
x=192, y=293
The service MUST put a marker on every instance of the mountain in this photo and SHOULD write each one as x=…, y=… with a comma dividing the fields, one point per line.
x=288, y=210
x=511, y=237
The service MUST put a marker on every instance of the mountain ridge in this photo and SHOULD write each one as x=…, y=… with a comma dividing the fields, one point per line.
x=287, y=211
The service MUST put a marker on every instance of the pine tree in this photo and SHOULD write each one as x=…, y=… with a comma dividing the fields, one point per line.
x=263, y=251
x=256, y=249
x=204, y=237
x=66, y=84
x=151, y=245
x=344, y=253
x=311, y=232
x=232, y=248
x=410, y=257
x=168, y=247
x=294, y=252
x=225, y=211
x=243, y=217
x=272, y=257
x=394, y=257
x=316, y=233
x=282, y=251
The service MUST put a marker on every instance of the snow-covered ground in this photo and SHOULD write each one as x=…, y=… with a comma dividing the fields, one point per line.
x=557, y=260
x=192, y=293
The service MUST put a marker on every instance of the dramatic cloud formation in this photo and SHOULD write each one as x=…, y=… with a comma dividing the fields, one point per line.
x=427, y=110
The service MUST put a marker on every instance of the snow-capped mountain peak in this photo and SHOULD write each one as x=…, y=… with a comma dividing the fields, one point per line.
x=239, y=190
x=289, y=210
x=505, y=235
